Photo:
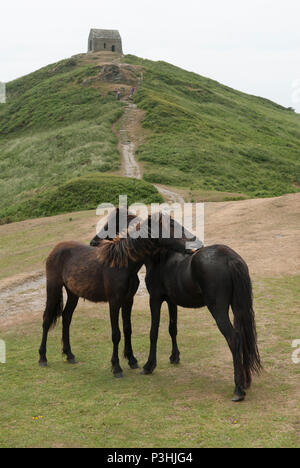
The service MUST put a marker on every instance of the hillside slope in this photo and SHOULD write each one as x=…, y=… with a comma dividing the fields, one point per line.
x=56, y=127
x=209, y=136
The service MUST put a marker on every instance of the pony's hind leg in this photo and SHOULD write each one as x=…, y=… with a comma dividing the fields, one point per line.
x=174, y=358
x=66, y=322
x=43, y=347
x=128, y=352
x=53, y=310
x=221, y=316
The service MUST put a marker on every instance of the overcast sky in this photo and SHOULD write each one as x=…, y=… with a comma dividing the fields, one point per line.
x=250, y=45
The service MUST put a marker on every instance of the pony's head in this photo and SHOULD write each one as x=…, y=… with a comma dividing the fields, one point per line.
x=159, y=230
x=170, y=234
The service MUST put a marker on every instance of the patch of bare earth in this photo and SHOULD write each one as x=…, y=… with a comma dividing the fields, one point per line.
x=130, y=135
x=127, y=145
x=265, y=232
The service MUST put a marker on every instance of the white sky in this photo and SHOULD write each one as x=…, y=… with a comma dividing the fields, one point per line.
x=250, y=45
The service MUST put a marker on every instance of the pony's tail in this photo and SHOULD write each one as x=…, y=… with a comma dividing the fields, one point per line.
x=244, y=319
x=54, y=304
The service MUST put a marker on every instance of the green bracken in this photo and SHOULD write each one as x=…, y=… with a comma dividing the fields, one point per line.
x=55, y=128
x=83, y=193
x=209, y=136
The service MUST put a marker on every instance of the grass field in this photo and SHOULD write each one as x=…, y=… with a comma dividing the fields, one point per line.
x=184, y=406
x=25, y=245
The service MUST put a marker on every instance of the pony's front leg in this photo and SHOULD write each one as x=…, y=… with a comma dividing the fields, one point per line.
x=155, y=306
x=128, y=352
x=114, y=310
x=174, y=358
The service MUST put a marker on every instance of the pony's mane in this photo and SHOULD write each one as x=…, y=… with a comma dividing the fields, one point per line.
x=119, y=251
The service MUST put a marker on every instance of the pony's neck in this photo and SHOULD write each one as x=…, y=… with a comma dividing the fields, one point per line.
x=139, y=250
x=134, y=267
x=126, y=252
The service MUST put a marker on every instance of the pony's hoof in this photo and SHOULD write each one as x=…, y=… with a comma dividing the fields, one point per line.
x=43, y=363
x=146, y=372
x=174, y=360
x=237, y=398
x=134, y=366
x=72, y=361
x=119, y=375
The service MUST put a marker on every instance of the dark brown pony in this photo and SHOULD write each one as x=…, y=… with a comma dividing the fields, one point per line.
x=216, y=277
x=105, y=274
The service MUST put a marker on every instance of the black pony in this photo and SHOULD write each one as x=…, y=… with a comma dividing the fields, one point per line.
x=216, y=277
x=105, y=274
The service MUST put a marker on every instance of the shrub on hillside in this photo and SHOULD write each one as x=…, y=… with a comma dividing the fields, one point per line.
x=83, y=193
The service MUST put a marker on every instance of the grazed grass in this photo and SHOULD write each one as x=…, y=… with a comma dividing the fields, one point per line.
x=25, y=245
x=197, y=195
x=184, y=406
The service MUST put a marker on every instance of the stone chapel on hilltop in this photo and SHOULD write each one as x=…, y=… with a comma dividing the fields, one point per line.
x=105, y=40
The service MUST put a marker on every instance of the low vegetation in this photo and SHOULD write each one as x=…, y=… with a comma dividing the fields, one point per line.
x=83, y=193
x=188, y=405
x=206, y=136
x=56, y=127
x=183, y=406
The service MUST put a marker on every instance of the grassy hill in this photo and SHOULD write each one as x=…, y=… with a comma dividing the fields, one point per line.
x=209, y=136
x=57, y=127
